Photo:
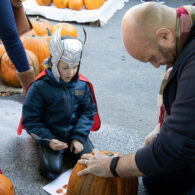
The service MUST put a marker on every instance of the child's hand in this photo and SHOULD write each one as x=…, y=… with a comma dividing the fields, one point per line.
x=55, y=144
x=76, y=146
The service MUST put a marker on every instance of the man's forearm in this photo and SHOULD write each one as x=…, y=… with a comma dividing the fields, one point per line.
x=127, y=167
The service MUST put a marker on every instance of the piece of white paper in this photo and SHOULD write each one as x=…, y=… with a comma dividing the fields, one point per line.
x=59, y=185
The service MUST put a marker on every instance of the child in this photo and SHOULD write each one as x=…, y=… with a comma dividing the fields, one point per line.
x=59, y=107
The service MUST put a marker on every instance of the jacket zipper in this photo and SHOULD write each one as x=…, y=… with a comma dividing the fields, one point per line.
x=68, y=98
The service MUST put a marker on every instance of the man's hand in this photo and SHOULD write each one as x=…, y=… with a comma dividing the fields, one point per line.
x=76, y=146
x=97, y=164
x=151, y=136
x=55, y=144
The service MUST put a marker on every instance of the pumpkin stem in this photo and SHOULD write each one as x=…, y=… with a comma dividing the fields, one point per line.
x=49, y=32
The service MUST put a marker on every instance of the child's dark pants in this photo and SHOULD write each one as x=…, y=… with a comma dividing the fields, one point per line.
x=51, y=162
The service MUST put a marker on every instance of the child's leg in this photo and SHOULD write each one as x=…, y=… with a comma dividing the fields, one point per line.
x=50, y=162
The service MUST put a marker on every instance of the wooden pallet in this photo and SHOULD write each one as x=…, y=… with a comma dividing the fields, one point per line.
x=6, y=90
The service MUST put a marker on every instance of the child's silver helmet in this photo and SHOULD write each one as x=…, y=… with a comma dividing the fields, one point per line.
x=68, y=50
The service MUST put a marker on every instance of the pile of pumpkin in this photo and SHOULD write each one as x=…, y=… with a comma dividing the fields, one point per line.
x=72, y=4
x=36, y=45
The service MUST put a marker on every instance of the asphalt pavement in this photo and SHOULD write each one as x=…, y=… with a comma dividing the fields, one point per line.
x=126, y=92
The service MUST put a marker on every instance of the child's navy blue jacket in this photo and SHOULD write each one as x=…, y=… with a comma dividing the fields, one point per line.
x=55, y=111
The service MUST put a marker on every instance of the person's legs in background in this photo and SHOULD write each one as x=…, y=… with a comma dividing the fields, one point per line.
x=13, y=45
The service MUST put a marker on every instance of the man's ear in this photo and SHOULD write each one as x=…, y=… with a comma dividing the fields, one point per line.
x=165, y=37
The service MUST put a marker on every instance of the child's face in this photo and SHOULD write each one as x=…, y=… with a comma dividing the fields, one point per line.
x=66, y=72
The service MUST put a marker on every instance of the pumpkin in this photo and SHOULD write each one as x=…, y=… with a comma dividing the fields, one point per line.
x=8, y=70
x=40, y=26
x=91, y=184
x=93, y=4
x=67, y=29
x=44, y=2
x=38, y=45
x=31, y=32
x=75, y=4
x=2, y=48
x=6, y=186
x=60, y=3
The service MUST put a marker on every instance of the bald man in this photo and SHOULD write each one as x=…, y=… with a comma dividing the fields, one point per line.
x=161, y=35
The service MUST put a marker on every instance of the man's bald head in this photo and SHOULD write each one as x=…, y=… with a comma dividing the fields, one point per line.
x=141, y=23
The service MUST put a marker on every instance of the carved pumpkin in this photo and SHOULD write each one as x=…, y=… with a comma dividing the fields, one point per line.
x=67, y=29
x=6, y=186
x=75, y=4
x=93, y=4
x=40, y=26
x=60, y=3
x=8, y=70
x=44, y=2
x=90, y=184
x=38, y=45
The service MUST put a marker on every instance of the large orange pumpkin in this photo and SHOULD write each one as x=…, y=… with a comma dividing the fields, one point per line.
x=38, y=45
x=40, y=26
x=75, y=4
x=94, y=185
x=31, y=32
x=93, y=4
x=6, y=186
x=8, y=70
x=60, y=3
x=67, y=29
x=44, y=2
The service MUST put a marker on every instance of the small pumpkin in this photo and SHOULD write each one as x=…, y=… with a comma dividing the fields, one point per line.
x=6, y=186
x=40, y=26
x=60, y=3
x=39, y=46
x=75, y=4
x=44, y=2
x=8, y=70
x=91, y=184
x=93, y=4
x=67, y=29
